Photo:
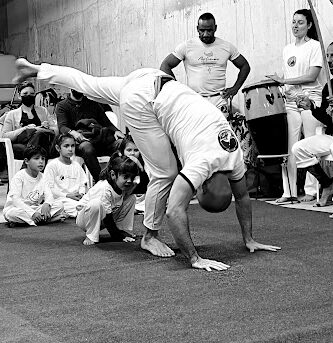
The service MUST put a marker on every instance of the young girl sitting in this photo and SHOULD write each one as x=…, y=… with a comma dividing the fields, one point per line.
x=66, y=178
x=127, y=147
x=30, y=200
x=109, y=203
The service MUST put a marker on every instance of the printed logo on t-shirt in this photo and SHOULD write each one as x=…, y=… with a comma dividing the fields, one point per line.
x=227, y=140
x=35, y=197
x=208, y=58
x=291, y=61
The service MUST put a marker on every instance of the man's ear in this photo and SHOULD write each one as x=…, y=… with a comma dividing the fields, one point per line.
x=26, y=161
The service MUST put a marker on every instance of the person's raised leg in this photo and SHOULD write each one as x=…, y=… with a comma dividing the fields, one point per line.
x=25, y=70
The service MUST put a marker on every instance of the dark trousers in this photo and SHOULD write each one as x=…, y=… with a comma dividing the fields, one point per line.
x=43, y=139
x=88, y=152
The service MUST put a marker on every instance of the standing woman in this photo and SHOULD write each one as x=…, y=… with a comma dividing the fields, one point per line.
x=302, y=62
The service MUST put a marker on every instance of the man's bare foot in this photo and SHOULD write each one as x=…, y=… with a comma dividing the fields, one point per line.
x=87, y=241
x=25, y=70
x=307, y=198
x=154, y=246
x=325, y=196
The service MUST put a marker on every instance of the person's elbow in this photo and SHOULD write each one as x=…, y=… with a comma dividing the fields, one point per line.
x=246, y=67
x=165, y=66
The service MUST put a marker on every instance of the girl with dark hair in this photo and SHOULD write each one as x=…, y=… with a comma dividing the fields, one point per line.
x=302, y=65
x=127, y=147
x=110, y=203
x=66, y=178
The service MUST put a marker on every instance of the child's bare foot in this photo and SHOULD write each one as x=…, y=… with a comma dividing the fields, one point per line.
x=88, y=241
x=25, y=70
x=61, y=217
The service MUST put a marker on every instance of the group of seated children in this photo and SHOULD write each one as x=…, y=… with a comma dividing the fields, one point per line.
x=37, y=198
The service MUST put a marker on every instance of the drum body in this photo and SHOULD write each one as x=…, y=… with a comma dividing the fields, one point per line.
x=266, y=117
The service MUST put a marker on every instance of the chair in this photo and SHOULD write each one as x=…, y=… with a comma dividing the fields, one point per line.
x=13, y=164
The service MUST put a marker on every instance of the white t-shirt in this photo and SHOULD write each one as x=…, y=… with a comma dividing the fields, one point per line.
x=297, y=61
x=102, y=190
x=204, y=139
x=206, y=64
x=65, y=178
x=26, y=191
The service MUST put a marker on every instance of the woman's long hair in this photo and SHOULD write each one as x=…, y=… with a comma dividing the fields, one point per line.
x=312, y=32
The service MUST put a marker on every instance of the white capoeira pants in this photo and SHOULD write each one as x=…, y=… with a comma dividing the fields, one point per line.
x=136, y=105
x=297, y=120
x=90, y=217
x=308, y=151
x=69, y=206
x=18, y=215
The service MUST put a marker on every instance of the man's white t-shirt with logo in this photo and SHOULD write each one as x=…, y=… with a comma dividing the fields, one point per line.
x=206, y=64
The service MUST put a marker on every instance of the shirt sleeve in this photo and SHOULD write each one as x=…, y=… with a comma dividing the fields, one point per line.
x=63, y=122
x=234, y=53
x=316, y=58
x=180, y=51
x=15, y=193
x=47, y=192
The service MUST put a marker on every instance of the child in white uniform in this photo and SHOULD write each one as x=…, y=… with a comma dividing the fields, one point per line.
x=109, y=203
x=127, y=147
x=30, y=199
x=66, y=178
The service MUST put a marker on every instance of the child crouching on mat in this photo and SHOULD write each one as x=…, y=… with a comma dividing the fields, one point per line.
x=30, y=200
x=66, y=178
x=110, y=203
x=127, y=147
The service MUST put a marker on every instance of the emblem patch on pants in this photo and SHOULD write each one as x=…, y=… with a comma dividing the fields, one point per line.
x=227, y=140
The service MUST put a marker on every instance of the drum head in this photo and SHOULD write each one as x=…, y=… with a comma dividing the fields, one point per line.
x=262, y=83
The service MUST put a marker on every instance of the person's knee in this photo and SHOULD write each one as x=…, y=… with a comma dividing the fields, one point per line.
x=95, y=205
x=87, y=149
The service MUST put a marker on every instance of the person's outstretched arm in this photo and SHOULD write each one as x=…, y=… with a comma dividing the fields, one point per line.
x=244, y=215
x=179, y=199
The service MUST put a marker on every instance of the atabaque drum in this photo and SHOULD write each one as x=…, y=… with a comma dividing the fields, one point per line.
x=266, y=117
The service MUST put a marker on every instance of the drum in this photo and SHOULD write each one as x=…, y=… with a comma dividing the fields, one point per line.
x=266, y=117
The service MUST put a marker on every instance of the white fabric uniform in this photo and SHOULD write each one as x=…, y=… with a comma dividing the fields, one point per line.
x=26, y=196
x=63, y=179
x=297, y=61
x=206, y=65
x=192, y=123
x=307, y=151
x=101, y=200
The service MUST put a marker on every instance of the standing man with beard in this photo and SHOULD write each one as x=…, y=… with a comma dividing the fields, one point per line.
x=205, y=60
x=78, y=111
